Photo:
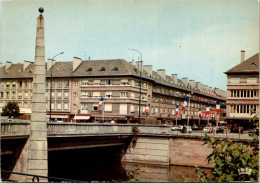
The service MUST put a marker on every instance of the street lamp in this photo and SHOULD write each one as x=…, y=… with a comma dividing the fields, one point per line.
x=189, y=108
x=51, y=81
x=140, y=84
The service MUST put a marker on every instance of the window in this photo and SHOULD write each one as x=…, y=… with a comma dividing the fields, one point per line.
x=13, y=85
x=20, y=83
x=75, y=83
x=115, y=68
x=8, y=85
x=123, y=109
x=108, y=107
x=252, y=80
x=25, y=104
x=96, y=82
x=19, y=104
x=2, y=94
x=25, y=94
x=53, y=94
x=124, y=94
x=59, y=83
x=96, y=94
x=108, y=94
x=58, y=106
x=52, y=106
x=156, y=109
x=59, y=94
x=95, y=107
x=66, y=106
x=84, y=82
x=26, y=84
x=84, y=94
x=108, y=82
x=13, y=94
x=124, y=82
x=102, y=69
x=66, y=94
x=66, y=83
x=46, y=83
x=53, y=83
x=84, y=108
x=235, y=80
x=132, y=109
x=89, y=69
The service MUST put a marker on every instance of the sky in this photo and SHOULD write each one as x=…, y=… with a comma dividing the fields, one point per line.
x=197, y=39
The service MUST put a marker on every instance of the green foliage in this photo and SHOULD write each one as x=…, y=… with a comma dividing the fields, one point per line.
x=132, y=174
x=232, y=161
x=11, y=109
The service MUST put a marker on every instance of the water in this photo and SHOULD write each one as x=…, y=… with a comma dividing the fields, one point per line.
x=104, y=164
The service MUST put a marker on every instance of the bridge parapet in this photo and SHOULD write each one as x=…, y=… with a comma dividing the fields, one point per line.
x=15, y=129
x=102, y=128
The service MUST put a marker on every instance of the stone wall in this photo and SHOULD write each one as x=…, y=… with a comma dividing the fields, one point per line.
x=151, y=150
x=188, y=152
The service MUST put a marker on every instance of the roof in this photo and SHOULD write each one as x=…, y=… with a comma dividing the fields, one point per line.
x=93, y=68
x=250, y=65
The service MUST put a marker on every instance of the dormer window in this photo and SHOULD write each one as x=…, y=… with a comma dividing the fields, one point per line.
x=57, y=70
x=102, y=69
x=89, y=70
x=253, y=64
x=70, y=70
x=31, y=71
x=115, y=68
x=18, y=71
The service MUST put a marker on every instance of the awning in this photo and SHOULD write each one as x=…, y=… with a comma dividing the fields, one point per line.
x=82, y=117
x=58, y=116
x=25, y=110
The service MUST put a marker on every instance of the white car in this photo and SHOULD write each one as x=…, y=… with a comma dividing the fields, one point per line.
x=207, y=129
x=189, y=130
x=176, y=128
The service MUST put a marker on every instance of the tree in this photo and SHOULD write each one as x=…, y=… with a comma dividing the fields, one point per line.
x=11, y=109
x=233, y=161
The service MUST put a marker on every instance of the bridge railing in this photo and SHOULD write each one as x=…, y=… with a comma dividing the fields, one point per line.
x=103, y=128
x=15, y=129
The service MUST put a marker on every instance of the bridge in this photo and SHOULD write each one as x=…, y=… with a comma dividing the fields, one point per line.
x=155, y=144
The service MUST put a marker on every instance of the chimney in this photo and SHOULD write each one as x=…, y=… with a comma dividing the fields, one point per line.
x=242, y=55
x=76, y=62
x=139, y=65
x=185, y=81
x=132, y=62
x=198, y=85
x=148, y=69
x=175, y=78
x=26, y=64
x=192, y=83
x=8, y=65
x=50, y=63
x=161, y=72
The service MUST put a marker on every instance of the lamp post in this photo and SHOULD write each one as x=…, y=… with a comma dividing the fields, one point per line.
x=189, y=108
x=140, y=85
x=51, y=81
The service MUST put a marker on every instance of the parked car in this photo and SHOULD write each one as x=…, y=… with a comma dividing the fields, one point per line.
x=253, y=131
x=186, y=129
x=221, y=129
x=207, y=129
x=189, y=129
x=176, y=128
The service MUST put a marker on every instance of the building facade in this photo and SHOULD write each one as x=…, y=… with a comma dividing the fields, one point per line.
x=77, y=86
x=243, y=92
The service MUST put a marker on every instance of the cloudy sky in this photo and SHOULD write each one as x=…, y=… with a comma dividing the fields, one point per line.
x=198, y=39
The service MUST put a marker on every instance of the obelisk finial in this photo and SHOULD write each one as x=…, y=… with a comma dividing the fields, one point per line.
x=41, y=10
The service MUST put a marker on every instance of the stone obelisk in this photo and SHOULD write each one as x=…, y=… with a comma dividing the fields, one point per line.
x=38, y=149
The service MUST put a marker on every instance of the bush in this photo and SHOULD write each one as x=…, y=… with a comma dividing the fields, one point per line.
x=232, y=161
x=11, y=109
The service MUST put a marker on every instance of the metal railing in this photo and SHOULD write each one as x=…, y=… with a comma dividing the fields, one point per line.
x=36, y=178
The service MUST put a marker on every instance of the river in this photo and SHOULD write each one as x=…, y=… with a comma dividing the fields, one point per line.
x=104, y=164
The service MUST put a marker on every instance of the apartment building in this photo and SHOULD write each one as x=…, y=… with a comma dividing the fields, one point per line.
x=77, y=87
x=243, y=92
